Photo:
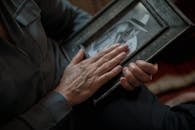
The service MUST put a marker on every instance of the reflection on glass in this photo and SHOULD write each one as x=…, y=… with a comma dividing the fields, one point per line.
x=124, y=33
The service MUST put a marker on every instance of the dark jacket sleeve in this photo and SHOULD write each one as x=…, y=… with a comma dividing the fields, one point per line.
x=42, y=116
x=60, y=18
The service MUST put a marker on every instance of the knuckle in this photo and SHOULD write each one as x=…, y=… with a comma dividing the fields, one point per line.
x=106, y=58
x=118, y=59
x=87, y=61
x=104, y=52
x=114, y=62
x=132, y=68
x=93, y=66
x=106, y=66
x=82, y=64
x=107, y=76
x=139, y=62
x=132, y=80
x=128, y=73
x=98, y=56
x=101, y=70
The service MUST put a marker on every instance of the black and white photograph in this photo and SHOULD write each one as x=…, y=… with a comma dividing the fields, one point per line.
x=136, y=28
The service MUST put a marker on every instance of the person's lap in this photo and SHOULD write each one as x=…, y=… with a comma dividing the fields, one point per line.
x=124, y=110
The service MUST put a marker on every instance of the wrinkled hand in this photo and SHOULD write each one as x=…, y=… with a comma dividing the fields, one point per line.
x=137, y=74
x=82, y=78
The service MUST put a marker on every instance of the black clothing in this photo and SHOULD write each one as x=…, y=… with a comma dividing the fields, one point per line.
x=31, y=66
x=138, y=110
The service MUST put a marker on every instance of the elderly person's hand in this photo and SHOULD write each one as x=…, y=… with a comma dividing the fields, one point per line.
x=137, y=74
x=82, y=78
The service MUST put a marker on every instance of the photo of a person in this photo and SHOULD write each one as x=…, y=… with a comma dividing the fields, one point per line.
x=124, y=33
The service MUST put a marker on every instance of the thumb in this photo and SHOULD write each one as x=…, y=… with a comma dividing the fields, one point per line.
x=78, y=58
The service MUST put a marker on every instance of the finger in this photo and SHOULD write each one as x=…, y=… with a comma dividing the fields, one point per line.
x=130, y=77
x=125, y=84
x=108, y=76
x=139, y=73
x=147, y=67
x=111, y=64
x=104, y=52
x=78, y=58
x=109, y=56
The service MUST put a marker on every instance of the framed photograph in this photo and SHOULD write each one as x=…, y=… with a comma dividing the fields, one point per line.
x=134, y=28
x=146, y=26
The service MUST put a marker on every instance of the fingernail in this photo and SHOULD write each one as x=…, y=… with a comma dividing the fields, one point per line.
x=140, y=61
x=151, y=77
x=122, y=46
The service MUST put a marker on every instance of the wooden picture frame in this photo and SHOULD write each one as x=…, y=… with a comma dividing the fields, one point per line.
x=147, y=26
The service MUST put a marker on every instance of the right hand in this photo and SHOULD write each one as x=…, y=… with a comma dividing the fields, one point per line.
x=82, y=78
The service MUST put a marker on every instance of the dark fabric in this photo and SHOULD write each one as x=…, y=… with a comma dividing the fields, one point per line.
x=31, y=64
x=138, y=110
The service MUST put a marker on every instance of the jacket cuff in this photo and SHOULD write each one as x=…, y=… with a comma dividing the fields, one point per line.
x=48, y=112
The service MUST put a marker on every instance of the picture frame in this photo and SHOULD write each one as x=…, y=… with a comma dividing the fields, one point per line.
x=147, y=26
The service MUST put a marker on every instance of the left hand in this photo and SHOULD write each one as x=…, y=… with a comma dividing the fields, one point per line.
x=137, y=74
